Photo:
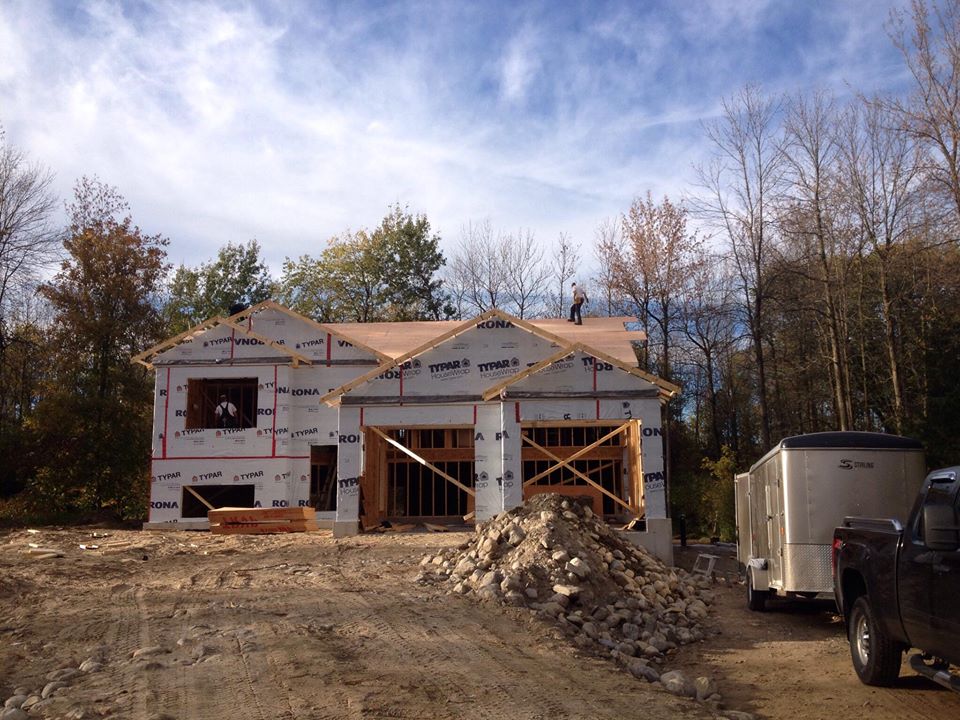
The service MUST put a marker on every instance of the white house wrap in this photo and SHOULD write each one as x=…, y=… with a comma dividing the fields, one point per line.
x=402, y=421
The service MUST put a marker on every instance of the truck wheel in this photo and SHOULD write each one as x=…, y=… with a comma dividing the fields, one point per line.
x=756, y=599
x=876, y=657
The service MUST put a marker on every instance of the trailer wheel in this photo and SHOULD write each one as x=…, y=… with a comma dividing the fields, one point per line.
x=756, y=599
x=876, y=658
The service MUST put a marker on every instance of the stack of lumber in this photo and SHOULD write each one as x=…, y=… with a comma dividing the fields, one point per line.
x=261, y=521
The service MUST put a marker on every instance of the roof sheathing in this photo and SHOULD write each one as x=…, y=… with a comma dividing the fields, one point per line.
x=332, y=398
x=608, y=335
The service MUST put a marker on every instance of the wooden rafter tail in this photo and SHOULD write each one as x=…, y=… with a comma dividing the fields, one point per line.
x=579, y=453
x=561, y=463
x=171, y=342
x=495, y=390
x=470, y=491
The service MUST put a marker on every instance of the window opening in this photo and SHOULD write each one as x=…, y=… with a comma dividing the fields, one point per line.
x=228, y=403
x=217, y=495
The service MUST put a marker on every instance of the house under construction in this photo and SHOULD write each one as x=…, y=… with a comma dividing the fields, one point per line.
x=406, y=421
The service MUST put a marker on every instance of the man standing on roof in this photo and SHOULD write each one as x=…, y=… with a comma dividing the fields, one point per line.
x=579, y=298
x=226, y=413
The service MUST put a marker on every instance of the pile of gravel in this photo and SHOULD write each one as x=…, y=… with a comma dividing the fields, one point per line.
x=554, y=556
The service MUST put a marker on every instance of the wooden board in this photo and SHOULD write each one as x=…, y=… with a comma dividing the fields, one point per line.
x=264, y=528
x=261, y=521
x=255, y=515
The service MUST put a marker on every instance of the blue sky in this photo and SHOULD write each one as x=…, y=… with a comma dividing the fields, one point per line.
x=292, y=122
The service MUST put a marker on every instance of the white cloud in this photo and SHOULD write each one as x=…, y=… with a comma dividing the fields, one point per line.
x=519, y=66
x=222, y=123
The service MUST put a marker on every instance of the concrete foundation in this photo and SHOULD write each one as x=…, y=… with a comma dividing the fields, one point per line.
x=657, y=539
x=345, y=528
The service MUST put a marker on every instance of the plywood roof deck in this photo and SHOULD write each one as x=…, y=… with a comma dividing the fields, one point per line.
x=607, y=334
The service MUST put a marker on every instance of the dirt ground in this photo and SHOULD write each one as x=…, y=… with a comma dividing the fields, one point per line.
x=793, y=661
x=303, y=626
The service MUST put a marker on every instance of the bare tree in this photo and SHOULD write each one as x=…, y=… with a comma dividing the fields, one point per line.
x=607, y=244
x=930, y=43
x=880, y=179
x=525, y=272
x=27, y=244
x=710, y=329
x=506, y=271
x=741, y=185
x=27, y=241
x=810, y=219
x=566, y=260
x=477, y=278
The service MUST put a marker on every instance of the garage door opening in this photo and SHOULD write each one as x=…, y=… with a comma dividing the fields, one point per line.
x=605, y=464
x=218, y=496
x=432, y=479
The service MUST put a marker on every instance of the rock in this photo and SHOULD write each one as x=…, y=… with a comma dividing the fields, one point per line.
x=627, y=648
x=147, y=652
x=66, y=674
x=515, y=534
x=515, y=598
x=550, y=608
x=90, y=665
x=704, y=687
x=630, y=631
x=676, y=683
x=22, y=690
x=52, y=687
x=492, y=577
x=16, y=701
x=639, y=669
x=511, y=583
x=532, y=593
x=569, y=591
x=578, y=567
x=14, y=714
x=465, y=568
x=30, y=702
x=590, y=630
x=560, y=556
x=202, y=651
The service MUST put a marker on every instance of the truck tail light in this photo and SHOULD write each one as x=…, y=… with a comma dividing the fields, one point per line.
x=834, y=552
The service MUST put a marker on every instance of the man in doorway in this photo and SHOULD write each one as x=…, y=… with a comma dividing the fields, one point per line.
x=226, y=413
x=579, y=298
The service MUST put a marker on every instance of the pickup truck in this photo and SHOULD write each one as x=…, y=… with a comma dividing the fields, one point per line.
x=898, y=587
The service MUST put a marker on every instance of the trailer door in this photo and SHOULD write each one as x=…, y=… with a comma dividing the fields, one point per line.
x=772, y=485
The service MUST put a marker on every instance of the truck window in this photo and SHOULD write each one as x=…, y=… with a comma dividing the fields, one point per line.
x=943, y=495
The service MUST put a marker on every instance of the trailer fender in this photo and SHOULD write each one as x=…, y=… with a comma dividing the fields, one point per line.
x=759, y=571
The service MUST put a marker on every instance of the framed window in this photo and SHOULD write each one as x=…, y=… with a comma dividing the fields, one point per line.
x=229, y=403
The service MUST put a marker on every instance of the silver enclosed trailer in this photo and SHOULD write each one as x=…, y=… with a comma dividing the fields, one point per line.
x=790, y=501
